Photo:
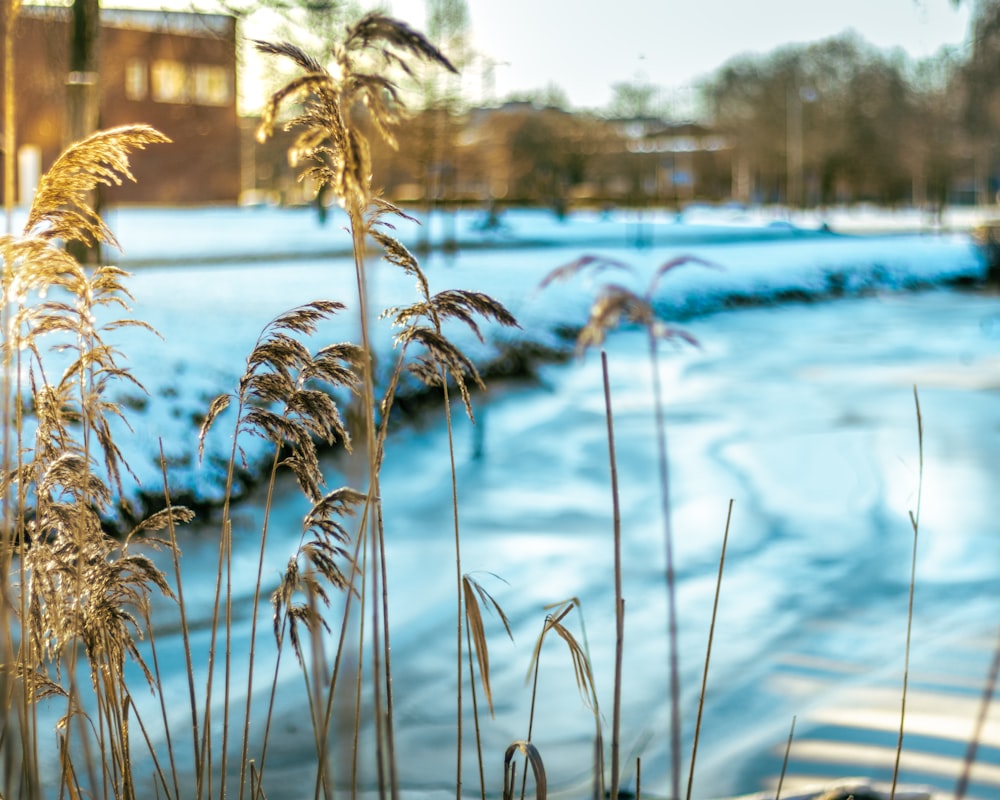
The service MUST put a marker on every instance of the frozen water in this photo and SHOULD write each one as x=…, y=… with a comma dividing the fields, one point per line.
x=802, y=414
x=209, y=315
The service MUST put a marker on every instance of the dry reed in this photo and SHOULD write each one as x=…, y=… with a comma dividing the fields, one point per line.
x=336, y=156
x=82, y=596
x=617, y=305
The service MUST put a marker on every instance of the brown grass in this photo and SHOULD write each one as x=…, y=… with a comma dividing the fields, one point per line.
x=77, y=598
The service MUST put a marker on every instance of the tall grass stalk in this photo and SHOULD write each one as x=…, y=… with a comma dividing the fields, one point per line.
x=359, y=571
x=17, y=739
x=915, y=525
x=337, y=154
x=182, y=613
x=655, y=331
x=614, y=305
x=475, y=713
x=972, y=748
x=223, y=578
x=83, y=596
x=277, y=400
x=668, y=539
x=459, y=605
x=265, y=527
x=340, y=160
x=784, y=761
x=708, y=652
x=359, y=666
x=443, y=364
x=384, y=755
x=475, y=633
x=616, y=710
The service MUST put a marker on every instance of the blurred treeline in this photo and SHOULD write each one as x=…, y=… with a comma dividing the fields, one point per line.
x=834, y=122
x=840, y=121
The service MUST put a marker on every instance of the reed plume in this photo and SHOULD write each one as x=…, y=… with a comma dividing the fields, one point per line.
x=286, y=397
x=617, y=305
x=61, y=208
x=82, y=594
x=336, y=156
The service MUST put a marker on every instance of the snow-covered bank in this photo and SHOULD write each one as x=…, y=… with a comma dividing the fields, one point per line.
x=209, y=315
x=151, y=236
x=802, y=413
x=210, y=309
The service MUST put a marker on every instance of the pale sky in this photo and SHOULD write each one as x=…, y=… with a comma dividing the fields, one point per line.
x=585, y=46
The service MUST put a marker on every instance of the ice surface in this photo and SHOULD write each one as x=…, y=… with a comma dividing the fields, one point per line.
x=209, y=279
x=801, y=412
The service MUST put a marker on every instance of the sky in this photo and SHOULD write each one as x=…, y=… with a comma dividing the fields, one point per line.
x=585, y=47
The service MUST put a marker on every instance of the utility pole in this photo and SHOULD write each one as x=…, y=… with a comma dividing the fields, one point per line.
x=798, y=97
x=82, y=93
x=81, y=83
x=793, y=146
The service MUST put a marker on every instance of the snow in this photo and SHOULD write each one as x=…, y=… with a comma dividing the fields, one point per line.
x=208, y=280
x=802, y=413
x=171, y=235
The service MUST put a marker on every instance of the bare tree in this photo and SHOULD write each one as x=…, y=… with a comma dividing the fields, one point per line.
x=636, y=98
x=828, y=122
x=982, y=94
x=82, y=98
x=437, y=124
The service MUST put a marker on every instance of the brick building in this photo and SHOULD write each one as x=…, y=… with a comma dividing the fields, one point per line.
x=175, y=71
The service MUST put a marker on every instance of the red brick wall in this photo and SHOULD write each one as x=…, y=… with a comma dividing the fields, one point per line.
x=202, y=165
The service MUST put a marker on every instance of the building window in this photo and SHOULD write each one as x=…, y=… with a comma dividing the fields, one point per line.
x=203, y=84
x=136, y=84
x=170, y=82
x=211, y=85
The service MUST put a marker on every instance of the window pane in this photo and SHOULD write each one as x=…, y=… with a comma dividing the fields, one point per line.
x=135, y=79
x=170, y=82
x=211, y=85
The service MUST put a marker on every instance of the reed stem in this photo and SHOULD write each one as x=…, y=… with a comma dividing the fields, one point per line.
x=708, y=651
x=915, y=524
x=664, y=472
x=616, y=712
x=962, y=786
x=784, y=762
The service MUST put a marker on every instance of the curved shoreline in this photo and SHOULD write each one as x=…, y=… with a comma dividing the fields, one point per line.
x=517, y=359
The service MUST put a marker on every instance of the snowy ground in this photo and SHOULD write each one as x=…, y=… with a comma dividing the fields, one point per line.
x=163, y=236
x=210, y=307
x=802, y=414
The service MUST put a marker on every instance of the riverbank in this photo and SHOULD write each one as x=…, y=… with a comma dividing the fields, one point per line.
x=803, y=412
x=185, y=236
x=210, y=315
x=209, y=279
